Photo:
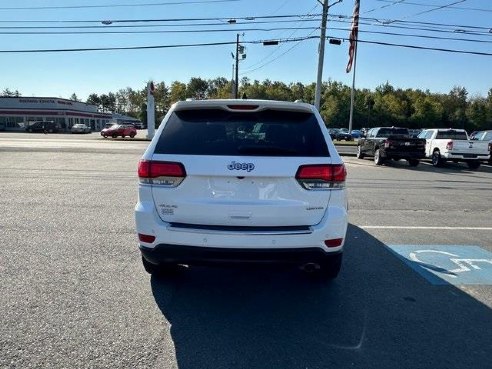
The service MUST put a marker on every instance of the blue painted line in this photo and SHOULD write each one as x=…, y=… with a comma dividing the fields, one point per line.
x=448, y=264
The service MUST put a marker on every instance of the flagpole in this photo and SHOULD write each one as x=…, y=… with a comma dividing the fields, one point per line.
x=352, y=93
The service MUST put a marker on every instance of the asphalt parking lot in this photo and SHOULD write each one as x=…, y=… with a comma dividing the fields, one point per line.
x=415, y=289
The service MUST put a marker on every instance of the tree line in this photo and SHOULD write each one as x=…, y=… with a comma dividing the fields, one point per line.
x=385, y=106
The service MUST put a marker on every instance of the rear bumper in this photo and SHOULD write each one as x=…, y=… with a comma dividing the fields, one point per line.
x=403, y=154
x=464, y=156
x=192, y=255
x=261, y=242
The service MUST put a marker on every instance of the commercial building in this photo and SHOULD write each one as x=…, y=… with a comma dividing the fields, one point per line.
x=17, y=112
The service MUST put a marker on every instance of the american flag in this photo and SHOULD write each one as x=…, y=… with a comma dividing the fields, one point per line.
x=150, y=88
x=353, y=35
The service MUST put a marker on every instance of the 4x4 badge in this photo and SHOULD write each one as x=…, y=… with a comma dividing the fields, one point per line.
x=241, y=166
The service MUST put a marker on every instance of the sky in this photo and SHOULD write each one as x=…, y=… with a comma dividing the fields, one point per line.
x=464, y=25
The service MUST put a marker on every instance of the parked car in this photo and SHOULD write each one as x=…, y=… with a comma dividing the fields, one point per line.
x=453, y=144
x=414, y=132
x=242, y=181
x=110, y=124
x=80, y=128
x=122, y=130
x=43, y=126
x=356, y=133
x=484, y=136
x=343, y=134
x=395, y=143
x=333, y=133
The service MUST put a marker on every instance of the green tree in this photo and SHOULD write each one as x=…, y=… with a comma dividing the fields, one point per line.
x=94, y=99
x=121, y=101
x=219, y=88
x=178, y=91
x=256, y=90
x=74, y=97
x=9, y=93
x=427, y=112
x=162, y=99
x=455, y=104
x=476, y=113
x=197, y=88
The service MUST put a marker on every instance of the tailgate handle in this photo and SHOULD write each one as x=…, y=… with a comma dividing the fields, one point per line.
x=240, y=215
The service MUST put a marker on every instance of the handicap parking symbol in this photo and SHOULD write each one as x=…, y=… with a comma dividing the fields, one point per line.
x=448, y=264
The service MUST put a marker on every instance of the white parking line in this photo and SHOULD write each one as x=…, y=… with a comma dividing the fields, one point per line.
x=433, y=228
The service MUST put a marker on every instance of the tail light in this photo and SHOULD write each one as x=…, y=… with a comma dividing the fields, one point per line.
x=243, y=107
x=334, y=242
x=388, y=143
x=322, y=177
x=147, y=238
x=449, y=145
x=161, y=173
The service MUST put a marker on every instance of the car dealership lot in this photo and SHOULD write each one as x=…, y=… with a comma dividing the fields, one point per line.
x=74, y=293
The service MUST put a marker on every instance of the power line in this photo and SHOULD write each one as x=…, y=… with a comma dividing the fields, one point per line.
x=246, y=30
x=389, y=21
x=157, y=31
x=279, y=56
x=427, y=29
x=452, y=28
x=423, y=36
x=116, y=5
x=434, y=9
x=225, y=21
x=433, y=5
x=384, y=6
x=277, y=48
x=297, y=39
x=160, y=25
x=30, y=51
x=455, y=51
x=149, y=20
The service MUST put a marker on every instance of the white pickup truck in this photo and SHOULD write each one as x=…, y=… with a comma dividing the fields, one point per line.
x=455, y=145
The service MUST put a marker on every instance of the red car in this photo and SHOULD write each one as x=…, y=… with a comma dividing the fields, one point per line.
x=122, y=130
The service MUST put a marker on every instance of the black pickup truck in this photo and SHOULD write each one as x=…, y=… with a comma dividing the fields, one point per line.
x=385, y=143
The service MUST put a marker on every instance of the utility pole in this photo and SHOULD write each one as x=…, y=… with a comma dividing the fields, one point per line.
x=321, y=56
x=236, y=84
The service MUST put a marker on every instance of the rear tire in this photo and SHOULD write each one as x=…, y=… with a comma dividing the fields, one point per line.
x=360, y=155
x=436, y=159
x=378, y=160
x=114, y=135
x=122, y=136
x=132, y=135
x=413, y=162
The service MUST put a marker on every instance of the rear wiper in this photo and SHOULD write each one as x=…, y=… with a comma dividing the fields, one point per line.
x=265, y=150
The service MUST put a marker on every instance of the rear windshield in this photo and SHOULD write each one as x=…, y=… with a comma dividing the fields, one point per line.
x=451, y=135
x=385, y=132
x=219, y=132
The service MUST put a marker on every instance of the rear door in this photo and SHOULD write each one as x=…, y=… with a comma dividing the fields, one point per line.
x=240, y=168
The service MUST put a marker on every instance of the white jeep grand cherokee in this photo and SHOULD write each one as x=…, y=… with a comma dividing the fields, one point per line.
x=247, y=181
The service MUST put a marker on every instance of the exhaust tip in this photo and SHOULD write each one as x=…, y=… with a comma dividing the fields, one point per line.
x=311, y=267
